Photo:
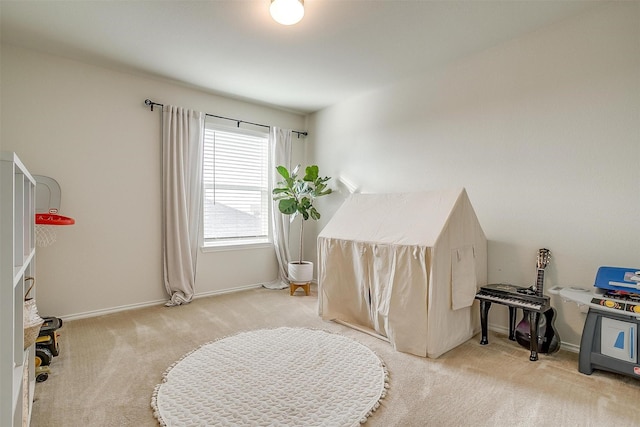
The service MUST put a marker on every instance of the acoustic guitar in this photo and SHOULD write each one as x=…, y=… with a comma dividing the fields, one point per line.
x=548, y=341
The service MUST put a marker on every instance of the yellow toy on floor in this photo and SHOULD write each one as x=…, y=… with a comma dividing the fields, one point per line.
x=47, y=347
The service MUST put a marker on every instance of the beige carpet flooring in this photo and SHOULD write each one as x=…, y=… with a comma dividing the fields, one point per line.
x=109, y=365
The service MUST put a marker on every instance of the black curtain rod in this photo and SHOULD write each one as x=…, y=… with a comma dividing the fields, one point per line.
x=151, y=104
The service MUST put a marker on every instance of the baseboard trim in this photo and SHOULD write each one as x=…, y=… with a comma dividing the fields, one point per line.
x=227, y=291
x=110, y=310
x=563, y=345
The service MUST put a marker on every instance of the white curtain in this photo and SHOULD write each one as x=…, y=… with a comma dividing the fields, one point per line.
x=182, y=142
x=280, y=144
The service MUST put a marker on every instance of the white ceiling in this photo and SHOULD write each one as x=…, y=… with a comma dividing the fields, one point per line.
x=232, y=47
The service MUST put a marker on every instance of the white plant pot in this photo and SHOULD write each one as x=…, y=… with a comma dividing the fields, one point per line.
x=300, y=273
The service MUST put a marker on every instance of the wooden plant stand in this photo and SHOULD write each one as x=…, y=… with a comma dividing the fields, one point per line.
x=294, y=286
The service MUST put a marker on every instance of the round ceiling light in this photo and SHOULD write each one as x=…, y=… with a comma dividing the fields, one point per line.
x=287, y=12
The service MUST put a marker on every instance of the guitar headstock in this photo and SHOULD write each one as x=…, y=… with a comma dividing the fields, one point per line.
x=544, y=257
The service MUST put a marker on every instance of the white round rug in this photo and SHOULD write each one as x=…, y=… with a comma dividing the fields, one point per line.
x=273, y=377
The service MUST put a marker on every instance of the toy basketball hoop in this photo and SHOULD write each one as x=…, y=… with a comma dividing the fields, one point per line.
x=48, y=220
x=46, y=225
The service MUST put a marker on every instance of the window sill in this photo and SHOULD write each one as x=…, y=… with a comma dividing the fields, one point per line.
x=235, y=246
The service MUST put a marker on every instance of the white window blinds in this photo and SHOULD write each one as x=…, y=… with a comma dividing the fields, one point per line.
x=236, y=186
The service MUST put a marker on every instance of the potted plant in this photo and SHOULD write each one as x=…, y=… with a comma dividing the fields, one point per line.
x=295, y=197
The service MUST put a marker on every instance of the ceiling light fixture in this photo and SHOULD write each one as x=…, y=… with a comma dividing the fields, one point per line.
x=287, y=12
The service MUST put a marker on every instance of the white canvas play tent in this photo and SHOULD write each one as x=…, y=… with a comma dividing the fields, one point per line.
x=406, y=266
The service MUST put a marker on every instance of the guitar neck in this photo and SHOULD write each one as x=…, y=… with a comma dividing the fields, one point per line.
x=539, y=288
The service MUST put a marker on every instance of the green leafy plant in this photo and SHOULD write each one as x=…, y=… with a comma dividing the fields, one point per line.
x=295, y=195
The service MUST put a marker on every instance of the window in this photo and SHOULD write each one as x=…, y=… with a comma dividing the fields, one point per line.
x=236, y=186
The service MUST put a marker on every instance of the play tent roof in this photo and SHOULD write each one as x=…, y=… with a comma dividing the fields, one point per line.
x=397, y=218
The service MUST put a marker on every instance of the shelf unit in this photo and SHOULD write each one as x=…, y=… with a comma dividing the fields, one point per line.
x=17, y=262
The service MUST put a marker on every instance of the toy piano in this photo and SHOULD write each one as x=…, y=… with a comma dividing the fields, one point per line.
x=610, y=335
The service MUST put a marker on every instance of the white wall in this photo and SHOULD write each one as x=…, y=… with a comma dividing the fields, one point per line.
x=88, y=128
x=544, y=133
